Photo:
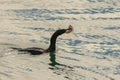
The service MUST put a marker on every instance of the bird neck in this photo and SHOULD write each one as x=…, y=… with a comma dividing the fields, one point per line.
x=52, y=46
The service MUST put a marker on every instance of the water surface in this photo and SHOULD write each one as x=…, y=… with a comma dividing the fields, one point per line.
x=91, y=52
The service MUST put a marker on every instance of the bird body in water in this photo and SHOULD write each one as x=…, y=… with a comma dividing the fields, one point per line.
x=52, y=46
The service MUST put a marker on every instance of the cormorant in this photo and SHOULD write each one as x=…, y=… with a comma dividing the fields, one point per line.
x=52, y=46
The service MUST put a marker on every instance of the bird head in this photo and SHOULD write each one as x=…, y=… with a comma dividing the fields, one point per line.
x=70, y=29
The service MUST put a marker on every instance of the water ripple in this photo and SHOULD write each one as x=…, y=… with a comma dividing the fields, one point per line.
x=46, y=14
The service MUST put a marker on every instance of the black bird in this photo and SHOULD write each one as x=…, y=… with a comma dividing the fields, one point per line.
x=52, y=46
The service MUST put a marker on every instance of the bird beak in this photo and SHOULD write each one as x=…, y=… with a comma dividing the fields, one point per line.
x=70, y=29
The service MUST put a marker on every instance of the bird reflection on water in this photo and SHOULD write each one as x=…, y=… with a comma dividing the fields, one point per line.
x=58, y=68
x=53, y=60
x=62, y=69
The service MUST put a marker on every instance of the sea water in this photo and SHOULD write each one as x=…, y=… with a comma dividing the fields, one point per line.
x=90, y=52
